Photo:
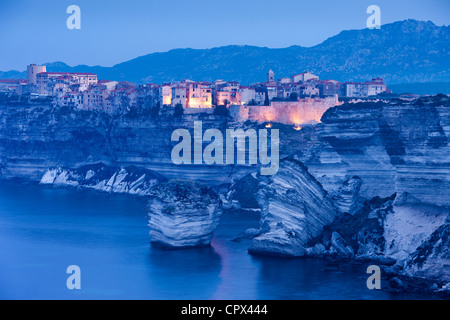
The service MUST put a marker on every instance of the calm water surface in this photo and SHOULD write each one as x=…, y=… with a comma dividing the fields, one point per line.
x=44, y=230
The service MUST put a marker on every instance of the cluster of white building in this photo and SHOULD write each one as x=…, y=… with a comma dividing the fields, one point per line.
x=85, y=91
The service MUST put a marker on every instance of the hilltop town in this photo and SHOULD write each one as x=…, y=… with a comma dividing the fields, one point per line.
x=297, y=99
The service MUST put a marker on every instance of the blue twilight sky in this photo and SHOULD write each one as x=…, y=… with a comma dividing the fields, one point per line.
x=34, y=31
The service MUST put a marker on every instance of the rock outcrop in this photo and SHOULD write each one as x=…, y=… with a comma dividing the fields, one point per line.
x=360, y=234
x=375, y=182
x=400, y=152
x=394, y=147
x=347, y=197
x=294, y=209
x=131, y=180
x=36, y=138
x=431, y=260
x=384, y=230
x=183, y=214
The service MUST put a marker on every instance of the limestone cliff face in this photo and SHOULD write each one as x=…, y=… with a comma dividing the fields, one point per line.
x=34, y=139
x=183, y=214
x=432, y=258
x=130, y=180
x=393, y=147
x=400, y=152
x=413, y=237
x=383, y=169
x=294, y=209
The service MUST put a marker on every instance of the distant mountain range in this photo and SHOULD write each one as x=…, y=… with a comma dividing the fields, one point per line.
x=401, y=52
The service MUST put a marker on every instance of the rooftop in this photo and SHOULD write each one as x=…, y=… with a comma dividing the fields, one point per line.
x=69, y=73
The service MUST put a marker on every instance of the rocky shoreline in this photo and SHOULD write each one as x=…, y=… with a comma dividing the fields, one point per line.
x=369, y=183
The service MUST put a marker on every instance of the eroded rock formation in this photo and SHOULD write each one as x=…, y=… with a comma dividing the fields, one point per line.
x=183, y=214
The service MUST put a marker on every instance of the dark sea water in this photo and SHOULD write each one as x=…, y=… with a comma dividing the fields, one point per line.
x=44, y=230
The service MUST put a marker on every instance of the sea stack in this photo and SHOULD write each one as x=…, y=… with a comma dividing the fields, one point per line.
x=183, y=214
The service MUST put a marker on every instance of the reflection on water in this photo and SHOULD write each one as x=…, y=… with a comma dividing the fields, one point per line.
x=313, y=279
x=42, y=231
x=186, y=274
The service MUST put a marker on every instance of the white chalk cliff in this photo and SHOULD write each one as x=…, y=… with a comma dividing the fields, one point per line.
x=183, y=214
x=294, y=209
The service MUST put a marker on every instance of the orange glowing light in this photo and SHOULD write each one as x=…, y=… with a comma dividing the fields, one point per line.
x=296, y=119
x=269, y=125
x=297, y=127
